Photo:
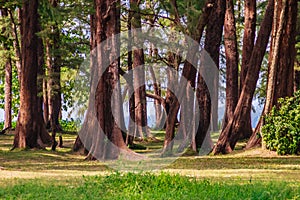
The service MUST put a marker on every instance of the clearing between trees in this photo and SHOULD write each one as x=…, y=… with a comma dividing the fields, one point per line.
x=39, y=174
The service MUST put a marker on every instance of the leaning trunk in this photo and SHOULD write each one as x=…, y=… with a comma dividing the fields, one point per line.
x=232, y=132
x=281, y=62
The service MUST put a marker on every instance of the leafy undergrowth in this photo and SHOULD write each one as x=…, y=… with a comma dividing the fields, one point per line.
x=147, y=186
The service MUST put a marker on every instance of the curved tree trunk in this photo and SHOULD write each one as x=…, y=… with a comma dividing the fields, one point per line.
x=232, y=132
x=281, y=62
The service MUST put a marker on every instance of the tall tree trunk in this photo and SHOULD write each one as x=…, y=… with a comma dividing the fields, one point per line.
x=54, y=88
x=213, y=39
x=79, y=146
x=231, y=52
x=285, y=75
x=231, y=133
x=189, y=74
x=208, y=102
x=45, y=102
x=281, y=62
x=106, y=141
x=138, y=72
x=8, y=78
x=249, y=37
x=248, y=44
x=157, y=91
x=16, y=43
x=30, y=132
x=131, y=124
x=8, y=93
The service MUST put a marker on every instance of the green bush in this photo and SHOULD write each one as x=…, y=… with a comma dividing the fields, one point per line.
x=69, y=125
x=281, y=132
x=13, y=124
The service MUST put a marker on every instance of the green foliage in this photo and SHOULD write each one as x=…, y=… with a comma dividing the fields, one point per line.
x=281, y=131
x=69, y=125
x=13, y=124
x=146, y=186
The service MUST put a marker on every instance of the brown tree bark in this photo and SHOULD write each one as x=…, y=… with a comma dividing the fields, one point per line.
x=8, y=77
x=8, y=93
x=104, y=105
x=281, y=60
x=234, y=128
x=189, y=74
x=30, y=132
x=208, y=103
x=157, y=91
x=16, y=43
x=138, y=73
x=131, y=124
x=248, y=44
x=213, y=38
x=248, y=39
x=231, y=53
x=45, y=102
x=285, y=75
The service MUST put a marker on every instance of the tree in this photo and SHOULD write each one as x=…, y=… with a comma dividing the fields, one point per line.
x=8, y=76
x=232, y=132
x=30, y=132
x=131, y=125
x=100, y=133
x=189, y=74
x=213, y=38
x=231, y=52
x=248, y=44
x=138, y=72
x=53, y=65
x=208, y=102
x=281, y=64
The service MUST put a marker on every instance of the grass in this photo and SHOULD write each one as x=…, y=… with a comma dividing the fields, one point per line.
x=147, y=186
x=44, y=174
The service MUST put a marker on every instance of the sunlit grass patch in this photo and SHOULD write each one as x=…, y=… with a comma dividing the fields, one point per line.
x=147, y=186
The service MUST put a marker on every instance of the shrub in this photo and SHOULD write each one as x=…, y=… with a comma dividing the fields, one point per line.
x=70, y=125
x=281, y=131
x=13, y=125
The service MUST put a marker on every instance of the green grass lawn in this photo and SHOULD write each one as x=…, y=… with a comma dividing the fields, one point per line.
x=43, y=174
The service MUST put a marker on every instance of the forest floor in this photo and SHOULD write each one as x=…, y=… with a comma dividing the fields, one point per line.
x=254, y=166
